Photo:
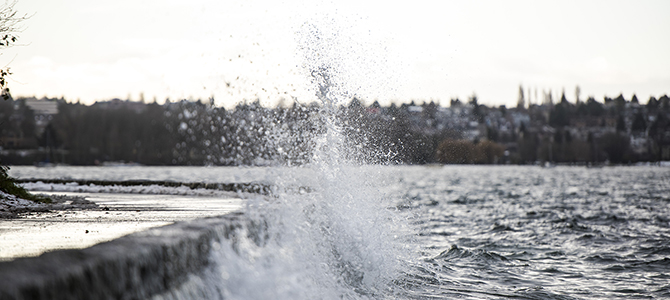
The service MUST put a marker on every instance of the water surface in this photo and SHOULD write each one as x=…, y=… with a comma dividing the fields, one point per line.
x=466, y=232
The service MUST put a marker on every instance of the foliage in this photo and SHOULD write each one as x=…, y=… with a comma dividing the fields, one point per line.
x=617, y=147
x=639, y=124
x=560, y=115
x=9, y=186
x=466, y=152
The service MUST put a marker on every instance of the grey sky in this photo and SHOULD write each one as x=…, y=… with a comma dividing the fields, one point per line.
x=421, y=50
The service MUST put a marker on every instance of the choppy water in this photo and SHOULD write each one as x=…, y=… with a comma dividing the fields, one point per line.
x=427, y=232
x=506, y=232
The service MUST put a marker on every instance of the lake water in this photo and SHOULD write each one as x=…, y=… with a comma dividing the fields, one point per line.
x=429, y=232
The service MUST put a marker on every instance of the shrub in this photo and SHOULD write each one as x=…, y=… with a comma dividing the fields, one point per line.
x=9, y=186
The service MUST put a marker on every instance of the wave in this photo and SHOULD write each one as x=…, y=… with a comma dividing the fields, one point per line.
x=455, y=253
x=339, y=242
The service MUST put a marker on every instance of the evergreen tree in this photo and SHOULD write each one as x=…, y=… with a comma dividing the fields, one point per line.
x=594, y=107
x=559, y=115
x=639, y=124
x=563, y=99
x=634, y=99
x=652, y=104
x=664, y=102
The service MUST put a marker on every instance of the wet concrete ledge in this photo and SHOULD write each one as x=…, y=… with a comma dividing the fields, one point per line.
x=136, y=266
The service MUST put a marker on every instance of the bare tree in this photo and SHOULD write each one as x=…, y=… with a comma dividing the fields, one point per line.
x=521, y=102
x=9, y=22
x=578, y=92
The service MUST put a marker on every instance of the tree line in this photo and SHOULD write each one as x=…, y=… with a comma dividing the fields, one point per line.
x=199, y=133
x=189, y=133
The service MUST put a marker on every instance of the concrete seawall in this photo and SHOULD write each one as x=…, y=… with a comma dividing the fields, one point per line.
x=142, y=265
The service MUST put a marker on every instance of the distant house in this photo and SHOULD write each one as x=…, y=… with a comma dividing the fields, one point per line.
x=43, y=110
x=116, y=103
x=42, y=107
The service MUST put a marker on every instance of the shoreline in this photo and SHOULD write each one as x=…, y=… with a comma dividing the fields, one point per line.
x=11, y=207
x=81, y=220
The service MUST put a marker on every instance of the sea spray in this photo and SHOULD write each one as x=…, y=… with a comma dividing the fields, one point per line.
x=340, y=239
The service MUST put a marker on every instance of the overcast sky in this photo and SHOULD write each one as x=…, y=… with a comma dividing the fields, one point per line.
x=422, y=50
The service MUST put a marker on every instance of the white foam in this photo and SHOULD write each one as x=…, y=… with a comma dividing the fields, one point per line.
x=147, y=189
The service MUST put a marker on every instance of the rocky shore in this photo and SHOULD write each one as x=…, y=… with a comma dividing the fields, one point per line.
x=11, y=206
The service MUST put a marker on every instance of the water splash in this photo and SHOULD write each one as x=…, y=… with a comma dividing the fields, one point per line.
x=341, y=240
